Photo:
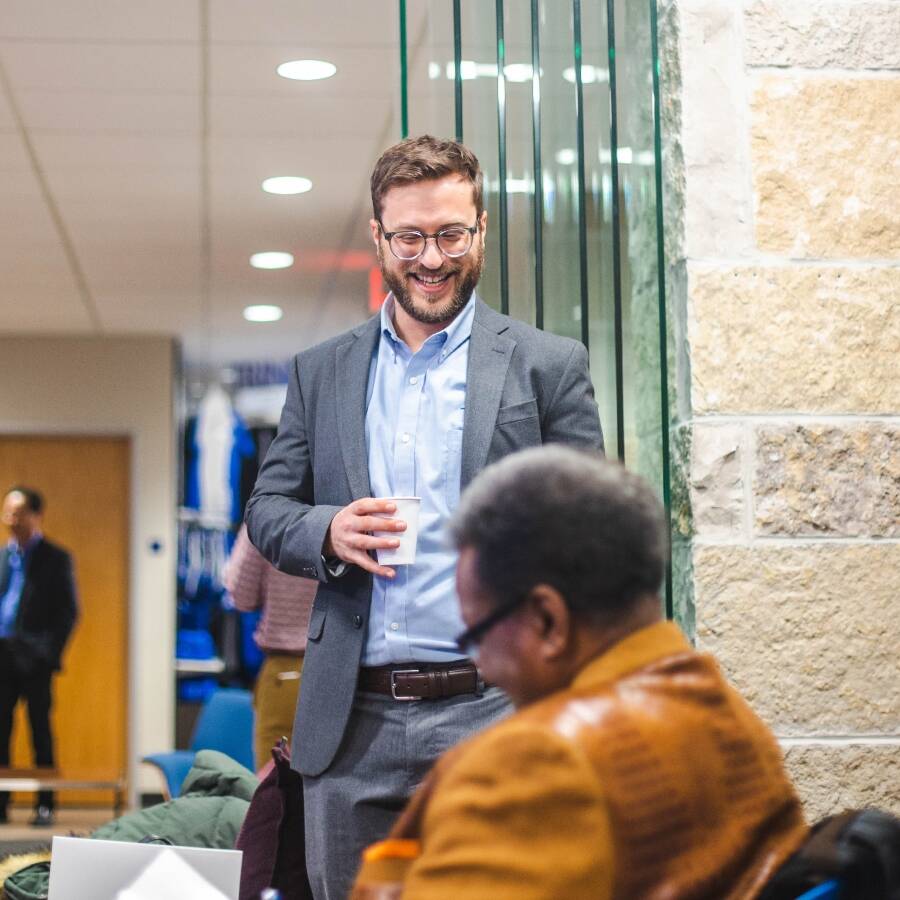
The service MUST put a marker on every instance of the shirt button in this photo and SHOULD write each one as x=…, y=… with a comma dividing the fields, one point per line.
x=414, y=379
x=404, y=438
x=395, y=626
x=357, y=621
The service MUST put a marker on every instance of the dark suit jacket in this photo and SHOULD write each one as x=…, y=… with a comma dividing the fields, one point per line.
x=47, y=610
x=524, y=388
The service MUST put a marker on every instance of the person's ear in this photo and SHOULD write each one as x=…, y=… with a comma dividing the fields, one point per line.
x=482, y=223
x=375, y=228
x=552, y=621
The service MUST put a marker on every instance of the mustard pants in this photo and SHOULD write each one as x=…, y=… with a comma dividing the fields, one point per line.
x=275, y=701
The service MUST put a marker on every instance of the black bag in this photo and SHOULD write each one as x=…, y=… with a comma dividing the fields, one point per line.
x=859, y=848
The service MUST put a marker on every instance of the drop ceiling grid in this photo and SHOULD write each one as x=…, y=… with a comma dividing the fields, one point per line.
x=111, y=98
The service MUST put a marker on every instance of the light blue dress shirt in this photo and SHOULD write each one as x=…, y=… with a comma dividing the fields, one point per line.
x=414, y=425
x=17, y=557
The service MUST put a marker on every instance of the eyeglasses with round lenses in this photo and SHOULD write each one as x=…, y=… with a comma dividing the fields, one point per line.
x=453, y=242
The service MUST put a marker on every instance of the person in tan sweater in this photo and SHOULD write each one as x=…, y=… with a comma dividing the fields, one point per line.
x=631, y=768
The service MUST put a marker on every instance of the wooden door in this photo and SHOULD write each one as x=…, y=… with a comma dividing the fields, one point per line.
x=85, y=483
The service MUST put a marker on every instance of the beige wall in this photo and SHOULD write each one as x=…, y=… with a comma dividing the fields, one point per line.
x=117, y=386
x=782, y=123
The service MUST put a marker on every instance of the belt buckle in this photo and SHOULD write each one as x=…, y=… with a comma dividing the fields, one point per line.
x=394, y=674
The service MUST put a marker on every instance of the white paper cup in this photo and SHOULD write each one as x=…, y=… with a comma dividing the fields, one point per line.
x=405, y=554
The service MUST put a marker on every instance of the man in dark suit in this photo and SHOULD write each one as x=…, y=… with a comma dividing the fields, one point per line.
x=411, y=404
x=38, y=609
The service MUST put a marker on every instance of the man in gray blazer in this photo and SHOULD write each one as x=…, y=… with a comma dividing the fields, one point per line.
x=413, y=403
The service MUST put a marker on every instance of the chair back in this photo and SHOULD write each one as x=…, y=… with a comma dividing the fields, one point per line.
x=830, y=890
x=226, y=724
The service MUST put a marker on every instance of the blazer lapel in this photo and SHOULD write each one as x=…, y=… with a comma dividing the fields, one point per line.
x=352, y=361
x=490, y=352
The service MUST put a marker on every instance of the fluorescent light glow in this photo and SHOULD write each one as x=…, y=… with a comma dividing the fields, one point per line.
x=517, y=72
x=306, y=69
x=513, y=186
x=519, y=185
x=263, y=312
x=272, y=259
x=469, y=70
x=625, y=156
x=566, y=156
x=286, y=184
x=589, y=74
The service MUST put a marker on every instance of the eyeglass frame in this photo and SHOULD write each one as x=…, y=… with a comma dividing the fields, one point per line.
x=387, y=235
x=475, y=634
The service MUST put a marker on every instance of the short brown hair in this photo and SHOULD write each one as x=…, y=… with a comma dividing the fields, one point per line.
x=425, y=158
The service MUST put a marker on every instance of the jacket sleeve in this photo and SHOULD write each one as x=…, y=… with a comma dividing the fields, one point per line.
x=572, y=416
x=519, y=814
x=283, y=520
x=65, y=604
x=244, y=574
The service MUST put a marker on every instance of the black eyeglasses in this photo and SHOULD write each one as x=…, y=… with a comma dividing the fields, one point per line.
x=468, y=640
x=454, y=241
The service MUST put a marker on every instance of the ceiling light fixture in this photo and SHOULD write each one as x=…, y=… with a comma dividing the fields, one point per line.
x=272, y=259
x=286, y=184
x=263, y=312
x=306, y=69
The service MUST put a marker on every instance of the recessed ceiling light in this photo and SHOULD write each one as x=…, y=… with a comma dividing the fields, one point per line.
x=589, y=74
x=566, y=156
x=286, y=184
x=263, y=312
x=272, y=259
x=306, y=69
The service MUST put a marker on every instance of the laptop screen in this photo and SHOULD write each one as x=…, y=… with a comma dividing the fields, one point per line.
x=83, y=867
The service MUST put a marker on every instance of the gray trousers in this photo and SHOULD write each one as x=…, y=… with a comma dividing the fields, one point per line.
x=387, y=749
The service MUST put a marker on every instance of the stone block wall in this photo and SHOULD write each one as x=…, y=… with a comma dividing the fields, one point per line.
x=781, y=123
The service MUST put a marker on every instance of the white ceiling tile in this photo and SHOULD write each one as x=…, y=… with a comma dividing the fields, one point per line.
x=133, y=152
x=7, y=122
x=125, y=185
x=346, y=23
x=55, y=308
x=13, y=158
x=265, y=117
x=120, y=20
x=113, y=68
x=135, y=113
x=142, y=308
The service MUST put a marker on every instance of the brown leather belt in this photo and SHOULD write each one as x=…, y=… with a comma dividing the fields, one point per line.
x=421, y=681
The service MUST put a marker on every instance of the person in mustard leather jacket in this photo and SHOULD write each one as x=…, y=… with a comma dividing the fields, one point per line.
x=631, y=768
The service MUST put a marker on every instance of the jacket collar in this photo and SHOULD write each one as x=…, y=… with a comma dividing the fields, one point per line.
x=637, y=650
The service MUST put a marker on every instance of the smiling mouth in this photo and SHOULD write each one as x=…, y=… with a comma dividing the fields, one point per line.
x=431, y=281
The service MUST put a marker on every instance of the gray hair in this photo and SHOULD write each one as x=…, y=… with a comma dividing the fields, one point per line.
x=567, y=518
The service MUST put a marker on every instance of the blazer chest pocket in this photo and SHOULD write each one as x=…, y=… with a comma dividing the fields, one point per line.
x=317, y=622
x=516, y=412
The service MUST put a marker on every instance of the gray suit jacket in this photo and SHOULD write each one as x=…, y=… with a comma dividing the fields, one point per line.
x=524, y=388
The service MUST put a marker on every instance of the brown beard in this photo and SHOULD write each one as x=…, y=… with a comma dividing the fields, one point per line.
x=438, y=314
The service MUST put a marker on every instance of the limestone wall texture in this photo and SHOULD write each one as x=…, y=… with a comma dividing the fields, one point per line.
x=781, y=123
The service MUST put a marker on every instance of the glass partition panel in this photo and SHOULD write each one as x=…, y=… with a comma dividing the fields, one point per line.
x=558, y=100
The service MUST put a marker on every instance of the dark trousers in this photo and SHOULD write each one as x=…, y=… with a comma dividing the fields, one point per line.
x=35, y=689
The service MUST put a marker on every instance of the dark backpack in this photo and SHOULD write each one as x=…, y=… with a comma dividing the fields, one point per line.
x=859, y=848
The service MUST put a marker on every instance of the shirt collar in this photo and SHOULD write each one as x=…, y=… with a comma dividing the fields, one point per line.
x=451, y=337
x=29, y=544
